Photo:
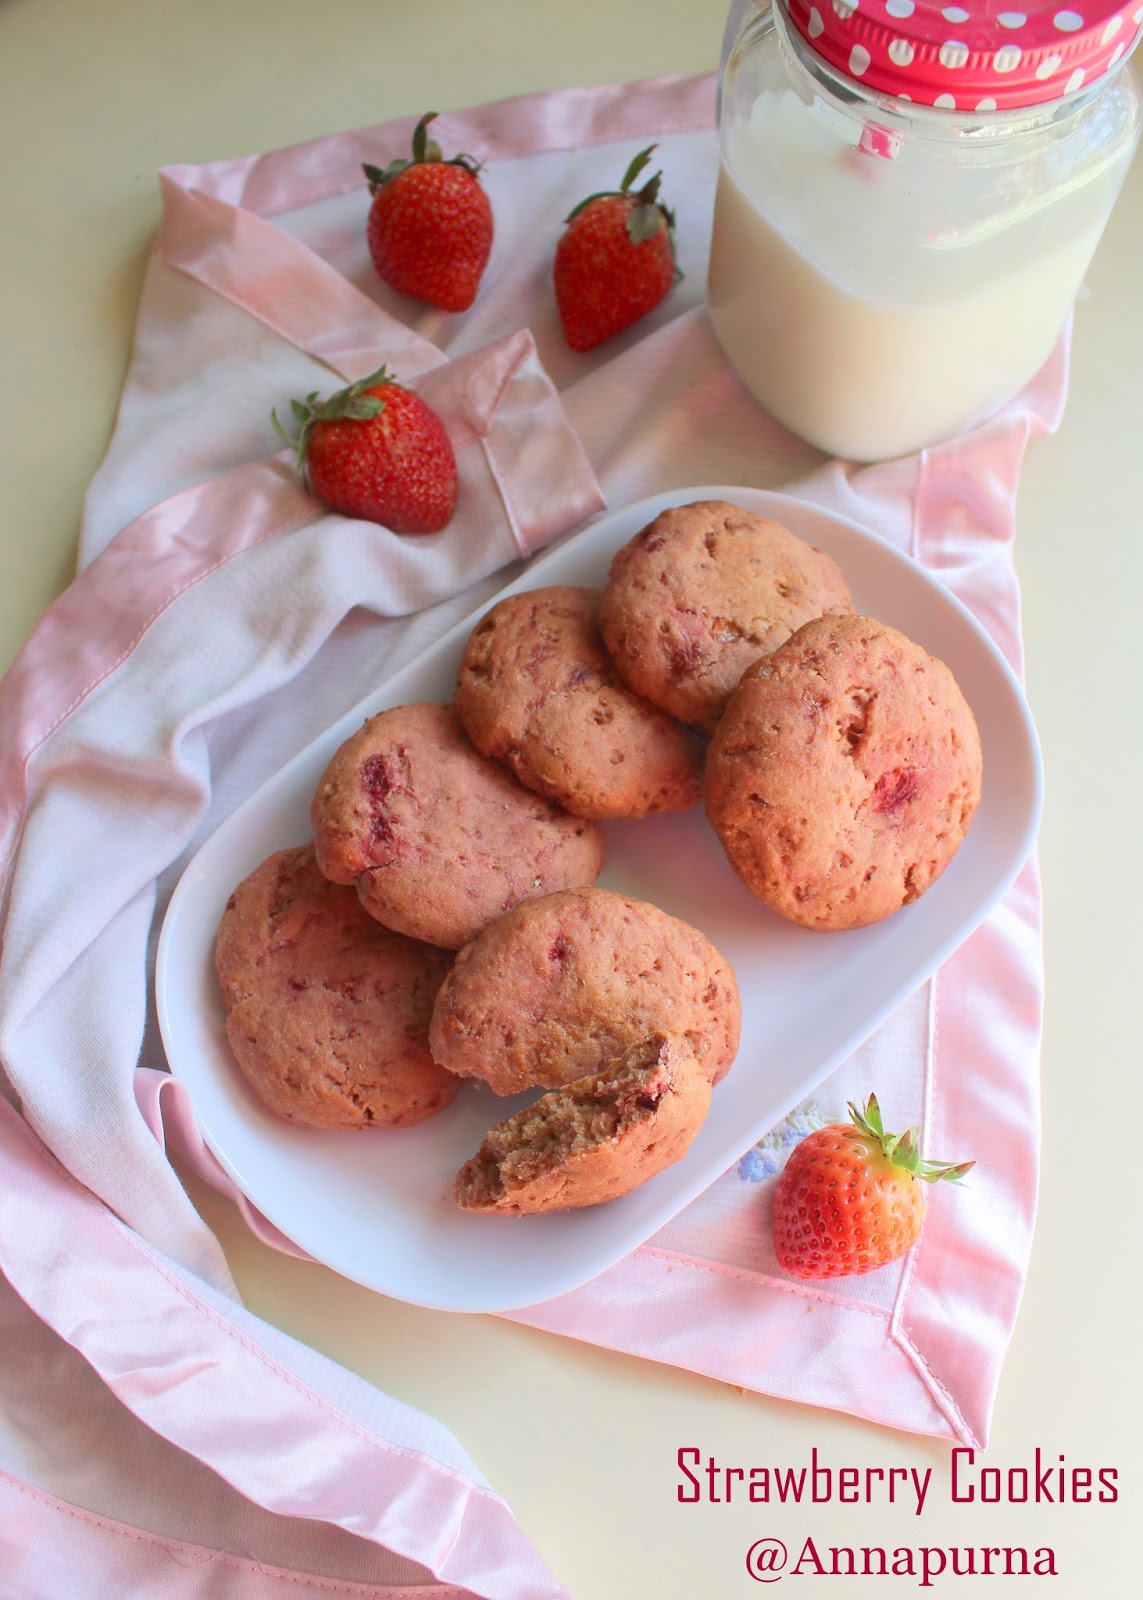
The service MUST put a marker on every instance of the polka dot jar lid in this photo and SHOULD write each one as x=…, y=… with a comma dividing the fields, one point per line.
x=982, y=55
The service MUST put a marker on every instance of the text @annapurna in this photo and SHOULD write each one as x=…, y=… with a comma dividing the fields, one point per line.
x=1047, y=1478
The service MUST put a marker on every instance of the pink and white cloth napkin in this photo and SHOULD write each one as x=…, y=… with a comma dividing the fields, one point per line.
x=158, y=1437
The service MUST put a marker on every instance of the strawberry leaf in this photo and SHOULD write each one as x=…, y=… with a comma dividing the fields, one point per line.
x=600, y=194
x=643, y=223
x=868, y=1120
x=290, y=440
x=378, y=176
x=935, y=1172
x=423, y=146
x=637, y=164
x=357, y=408
x=902, y=1150
x=372, y=380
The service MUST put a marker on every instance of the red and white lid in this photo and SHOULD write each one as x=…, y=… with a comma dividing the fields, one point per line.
x=970, y=55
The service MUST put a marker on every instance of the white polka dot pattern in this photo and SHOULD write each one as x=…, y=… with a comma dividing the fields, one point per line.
x=968, y=56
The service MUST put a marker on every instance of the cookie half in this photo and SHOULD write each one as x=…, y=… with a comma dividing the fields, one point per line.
x=700, y=594
x=437, y=840
x=550, y=990
x=844, y=774
x=537, y=690
x=327, y=1012
x=593, y=1140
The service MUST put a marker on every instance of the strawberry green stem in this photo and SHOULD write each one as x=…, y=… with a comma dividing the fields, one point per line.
x=424, y=150
x=351, y=404
x=902, y=1149
x=648, y=214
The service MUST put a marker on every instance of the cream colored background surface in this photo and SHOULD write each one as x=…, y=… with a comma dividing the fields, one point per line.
x=95, y=95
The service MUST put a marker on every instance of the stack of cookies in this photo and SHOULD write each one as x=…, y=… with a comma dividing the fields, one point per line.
x=444, y=923
x=844, y=765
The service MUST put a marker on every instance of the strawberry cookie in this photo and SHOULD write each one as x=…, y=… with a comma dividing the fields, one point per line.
x=327, y=1013
x=561, y=984
x=537, y=691
x=437, y=840
x=844, y=773
x=700, y=594
x=593, y=1140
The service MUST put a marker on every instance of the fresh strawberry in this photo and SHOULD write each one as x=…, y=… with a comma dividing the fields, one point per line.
x=850, y=1198
x=615, y=260
x=375, y=450
x=430, y=224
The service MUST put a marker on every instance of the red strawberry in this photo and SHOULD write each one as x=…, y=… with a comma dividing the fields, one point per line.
x=430, y=224
x=850, y=1198
x=375, y=450
x=615, y=260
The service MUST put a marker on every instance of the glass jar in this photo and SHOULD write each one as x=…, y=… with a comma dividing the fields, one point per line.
x=903, y=217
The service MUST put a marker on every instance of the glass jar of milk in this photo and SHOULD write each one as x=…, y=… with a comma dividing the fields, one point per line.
x=909, y=196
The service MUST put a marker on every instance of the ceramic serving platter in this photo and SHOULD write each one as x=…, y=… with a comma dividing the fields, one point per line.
x=374, y=1205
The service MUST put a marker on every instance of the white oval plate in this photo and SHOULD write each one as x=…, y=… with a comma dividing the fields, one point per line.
x=375, y=1205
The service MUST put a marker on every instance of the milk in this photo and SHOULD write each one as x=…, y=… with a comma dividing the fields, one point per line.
x=857, y=312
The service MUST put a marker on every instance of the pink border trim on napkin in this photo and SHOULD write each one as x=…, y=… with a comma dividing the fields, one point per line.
x=127, y=588
x=285, y=285
x=45, y=1542
x=569, y=119
x=204, y=1368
